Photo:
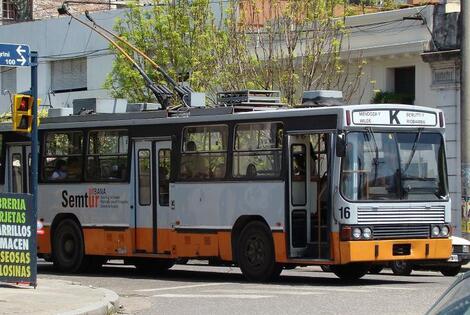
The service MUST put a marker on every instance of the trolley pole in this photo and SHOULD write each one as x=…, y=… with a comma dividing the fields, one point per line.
x=34, y=137
x=465, y=116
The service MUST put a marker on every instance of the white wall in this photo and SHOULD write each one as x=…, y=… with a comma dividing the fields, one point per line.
x=56, y=39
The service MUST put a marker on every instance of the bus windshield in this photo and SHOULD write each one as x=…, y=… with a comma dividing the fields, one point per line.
x=394, y=166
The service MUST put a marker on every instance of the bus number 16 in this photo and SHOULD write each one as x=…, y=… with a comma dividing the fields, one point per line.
x=345, y=213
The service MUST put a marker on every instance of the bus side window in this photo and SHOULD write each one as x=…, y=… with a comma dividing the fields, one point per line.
x=204, y=153
x=257, y=150
x=17, y=173
x=62, y=157
x=107, y=155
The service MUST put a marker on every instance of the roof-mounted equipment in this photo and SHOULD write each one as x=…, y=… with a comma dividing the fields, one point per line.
x=250, y=100
x=320, y=98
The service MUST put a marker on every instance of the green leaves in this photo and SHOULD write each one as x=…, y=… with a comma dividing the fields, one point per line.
x=289, y=45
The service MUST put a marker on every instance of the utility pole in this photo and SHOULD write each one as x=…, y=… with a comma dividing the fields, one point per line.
x=465, y=113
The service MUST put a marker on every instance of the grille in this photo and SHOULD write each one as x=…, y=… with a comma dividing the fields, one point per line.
x=401, y=231
x=390, y=215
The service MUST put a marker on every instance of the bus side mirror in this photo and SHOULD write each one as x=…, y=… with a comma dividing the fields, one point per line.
x=340, y=144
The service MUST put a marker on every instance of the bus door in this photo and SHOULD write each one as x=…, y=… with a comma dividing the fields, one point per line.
x=152, y=174
x=18, y=168
x=299, y=200
x=319, y=161
x=309, y=195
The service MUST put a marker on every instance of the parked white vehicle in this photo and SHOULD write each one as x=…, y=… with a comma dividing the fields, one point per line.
x=460, y=256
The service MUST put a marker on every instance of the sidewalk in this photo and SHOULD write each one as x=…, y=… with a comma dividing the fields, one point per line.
x=56, y=297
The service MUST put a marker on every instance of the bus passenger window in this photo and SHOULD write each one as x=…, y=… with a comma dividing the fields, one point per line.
x=62, y=156
x=17, y=173
x=258, y=148
x=107, y=155
x=164, y=161
x=204, y=153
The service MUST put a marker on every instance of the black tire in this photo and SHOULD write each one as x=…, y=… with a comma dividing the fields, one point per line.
x=450, y=271
x=68, y=248
x=256, y=253
x=325, y=268
x=376, y=269
x=154, y=266
x=401, y=268
x=350, y=272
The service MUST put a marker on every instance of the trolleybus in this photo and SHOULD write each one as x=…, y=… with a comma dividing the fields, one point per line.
x=344, y=186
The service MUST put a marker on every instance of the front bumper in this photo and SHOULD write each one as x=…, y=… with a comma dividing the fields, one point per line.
x=386, y=250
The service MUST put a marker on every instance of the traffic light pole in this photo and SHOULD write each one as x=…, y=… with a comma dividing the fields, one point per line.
x=34, y=136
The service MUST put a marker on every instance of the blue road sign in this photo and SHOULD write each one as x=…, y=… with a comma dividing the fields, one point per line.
x=14, y=55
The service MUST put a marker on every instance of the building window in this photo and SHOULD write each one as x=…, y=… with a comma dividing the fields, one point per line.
x=8, y=77
x=9, y=11
x=69, y=75
x=204, y=152
x=107, y=155
x=62, y=160
x=258, y=150
x=401, y=81
x=16, y=11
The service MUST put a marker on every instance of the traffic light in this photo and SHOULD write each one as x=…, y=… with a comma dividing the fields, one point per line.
x=22, y=113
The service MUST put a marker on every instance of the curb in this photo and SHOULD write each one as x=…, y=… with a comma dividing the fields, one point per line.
x=108, y=305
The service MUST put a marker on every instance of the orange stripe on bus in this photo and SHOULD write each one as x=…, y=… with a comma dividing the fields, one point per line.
x=280, y=253
x=109, y=242
x=44, y=241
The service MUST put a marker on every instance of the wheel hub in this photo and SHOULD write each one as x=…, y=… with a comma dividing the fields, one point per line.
x=255, y=251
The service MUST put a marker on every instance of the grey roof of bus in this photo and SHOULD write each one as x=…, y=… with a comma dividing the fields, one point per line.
x=196, y=115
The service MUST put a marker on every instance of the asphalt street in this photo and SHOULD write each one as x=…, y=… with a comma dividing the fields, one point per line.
x=196, y=288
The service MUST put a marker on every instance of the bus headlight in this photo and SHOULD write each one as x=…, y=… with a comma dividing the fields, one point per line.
x=445, y=231
x=356, y=233
x=435, y=231
x=366, y=233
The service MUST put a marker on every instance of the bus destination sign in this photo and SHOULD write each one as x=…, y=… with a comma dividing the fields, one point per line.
x=395, y=117
x=17, y=239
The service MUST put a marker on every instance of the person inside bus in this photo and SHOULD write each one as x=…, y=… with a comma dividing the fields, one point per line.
x=251, y=171
x=60, y=171
x=196, y=166
x=73, y=168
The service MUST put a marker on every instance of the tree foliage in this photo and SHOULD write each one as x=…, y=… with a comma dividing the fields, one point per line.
x=285, y=45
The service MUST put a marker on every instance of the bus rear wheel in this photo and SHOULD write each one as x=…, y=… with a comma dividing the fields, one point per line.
x=68, y=247
x=256, y=253
x=351, y=271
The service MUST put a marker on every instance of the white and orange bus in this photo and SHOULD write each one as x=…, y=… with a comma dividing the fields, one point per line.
x=344, y=186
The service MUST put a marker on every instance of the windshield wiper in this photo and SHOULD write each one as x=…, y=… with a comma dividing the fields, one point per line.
x=413, y=150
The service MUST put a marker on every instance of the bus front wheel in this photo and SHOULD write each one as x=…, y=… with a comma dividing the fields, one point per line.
x=401, y=268
x=68, y=247
x=351, y=271
x=450, y=271
x=256, y=253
